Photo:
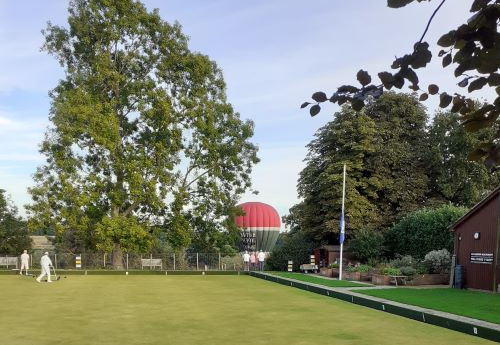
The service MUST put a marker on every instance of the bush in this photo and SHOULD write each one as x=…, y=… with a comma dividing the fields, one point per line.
x=438, y=261
x=294, y=246
x=391, y=271
x=403, y=261
x=408, y=271
x=364, y=268
x=423, y=231
x=334, y=265
x=367, y=245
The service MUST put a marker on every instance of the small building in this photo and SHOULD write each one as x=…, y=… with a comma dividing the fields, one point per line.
x=328, y=254
x=477, y=239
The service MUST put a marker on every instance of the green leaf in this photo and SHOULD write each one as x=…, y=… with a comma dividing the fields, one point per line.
x=478, y=5
x=305, y=104
x=421, y=55
x=410, y=74
x=357, y=104
x=347, y=89
x=464, y=82
x=494, y=79
x=477, y=84
x=424, y=97
x=497, y=89
x=319, y=96
x=387, y=79
x=398, y=3
x=444, y=100
x=433, y=89
x=315, y=109
x=447, y=40
x=447, y=60
x=363, y=77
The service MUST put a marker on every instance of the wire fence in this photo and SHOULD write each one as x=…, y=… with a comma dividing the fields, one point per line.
x=131, y=261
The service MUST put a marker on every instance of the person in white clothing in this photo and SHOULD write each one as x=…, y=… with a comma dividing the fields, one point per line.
x=25, y=259
x=246, y=260
x=45, y=262
x=261, y=257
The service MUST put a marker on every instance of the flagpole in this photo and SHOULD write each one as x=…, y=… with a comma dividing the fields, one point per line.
x=342, y=227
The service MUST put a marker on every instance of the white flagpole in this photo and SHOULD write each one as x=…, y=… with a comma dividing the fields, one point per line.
x=342, y=227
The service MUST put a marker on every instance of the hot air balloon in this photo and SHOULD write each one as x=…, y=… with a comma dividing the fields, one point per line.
x=260, y=226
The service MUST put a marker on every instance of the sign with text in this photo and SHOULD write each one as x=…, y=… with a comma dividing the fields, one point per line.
x=481, y=258
x=248, y=240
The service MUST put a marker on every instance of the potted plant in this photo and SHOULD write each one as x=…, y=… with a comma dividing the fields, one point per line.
x=365, y=272
x=352, y=273
x=384, y=275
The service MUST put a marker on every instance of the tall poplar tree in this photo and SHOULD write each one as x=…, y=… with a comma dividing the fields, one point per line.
x=142, y=138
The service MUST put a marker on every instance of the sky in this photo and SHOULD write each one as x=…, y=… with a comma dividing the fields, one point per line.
x=274, y=55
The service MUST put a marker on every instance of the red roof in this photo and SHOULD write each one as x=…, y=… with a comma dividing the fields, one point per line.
x=258, y=216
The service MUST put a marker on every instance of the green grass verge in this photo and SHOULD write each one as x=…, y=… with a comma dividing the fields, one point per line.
x=181, y=310
x=478, y=305
x=317, y=280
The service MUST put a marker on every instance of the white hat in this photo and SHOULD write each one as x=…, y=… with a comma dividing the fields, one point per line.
x=46, y=253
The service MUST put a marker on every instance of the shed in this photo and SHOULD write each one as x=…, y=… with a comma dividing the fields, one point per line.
x=476, y=244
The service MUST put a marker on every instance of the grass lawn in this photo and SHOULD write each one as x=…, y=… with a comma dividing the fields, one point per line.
x=317, y=280
x=213, y=310
x=478, y=305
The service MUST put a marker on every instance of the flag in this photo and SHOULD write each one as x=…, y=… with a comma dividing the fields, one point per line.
x=342, y=227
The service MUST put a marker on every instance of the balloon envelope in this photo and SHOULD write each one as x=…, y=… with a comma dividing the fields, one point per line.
x=260, y=226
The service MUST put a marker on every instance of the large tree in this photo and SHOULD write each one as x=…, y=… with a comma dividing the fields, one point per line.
x=383, y=147
x=452, y=177
x=473, y=49
x=142, y=136
x=13, y=231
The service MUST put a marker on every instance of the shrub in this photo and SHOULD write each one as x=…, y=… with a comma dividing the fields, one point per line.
x=391, y=271
x=403, y=261
x=367, y=245
x=334, y=265
x=294, y=246
x=408, y=271
x=438, y=261
x=423, y=231
x=364, y=268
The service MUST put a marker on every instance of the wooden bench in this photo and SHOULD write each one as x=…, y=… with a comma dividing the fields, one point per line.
x=151, y=263
x=8, y=261
x=394, y=279
x=308, y=267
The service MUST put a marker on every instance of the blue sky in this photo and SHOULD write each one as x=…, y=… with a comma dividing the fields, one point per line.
x=274, y=55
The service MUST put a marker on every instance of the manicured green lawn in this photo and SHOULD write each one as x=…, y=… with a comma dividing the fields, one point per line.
x=317, y=280
x=208, y=310
x=478, y=305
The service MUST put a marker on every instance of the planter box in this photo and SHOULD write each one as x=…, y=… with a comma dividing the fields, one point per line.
x=365, y=276
x=352, y=276
x=325, y=272
x=429, y=279
x=380, y=279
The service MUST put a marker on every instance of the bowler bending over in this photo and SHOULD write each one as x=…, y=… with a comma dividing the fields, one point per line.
x=45, y=262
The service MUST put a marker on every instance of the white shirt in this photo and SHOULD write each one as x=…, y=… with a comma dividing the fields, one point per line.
x=246, y=257
x=45, y=261
x=25, y=257
x=262, y=256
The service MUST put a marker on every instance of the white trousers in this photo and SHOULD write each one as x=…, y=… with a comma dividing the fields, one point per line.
x=45, y=272
x=24, y=266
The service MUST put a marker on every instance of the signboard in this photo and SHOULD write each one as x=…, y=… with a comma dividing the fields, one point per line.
x=481, y=258
x=78, y=261
x=290, y=265
x=248, y=240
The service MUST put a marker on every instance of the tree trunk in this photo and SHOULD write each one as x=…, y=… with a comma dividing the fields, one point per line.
x=117, y=258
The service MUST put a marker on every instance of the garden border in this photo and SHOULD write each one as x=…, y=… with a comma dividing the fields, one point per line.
x=454, y=322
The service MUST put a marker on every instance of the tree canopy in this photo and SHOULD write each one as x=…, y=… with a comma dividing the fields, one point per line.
x=473, y=49
x=142, y=137
x=396, y=162
x=13, y=231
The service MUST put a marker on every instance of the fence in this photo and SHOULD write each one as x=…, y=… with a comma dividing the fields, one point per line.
x=134, y=261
